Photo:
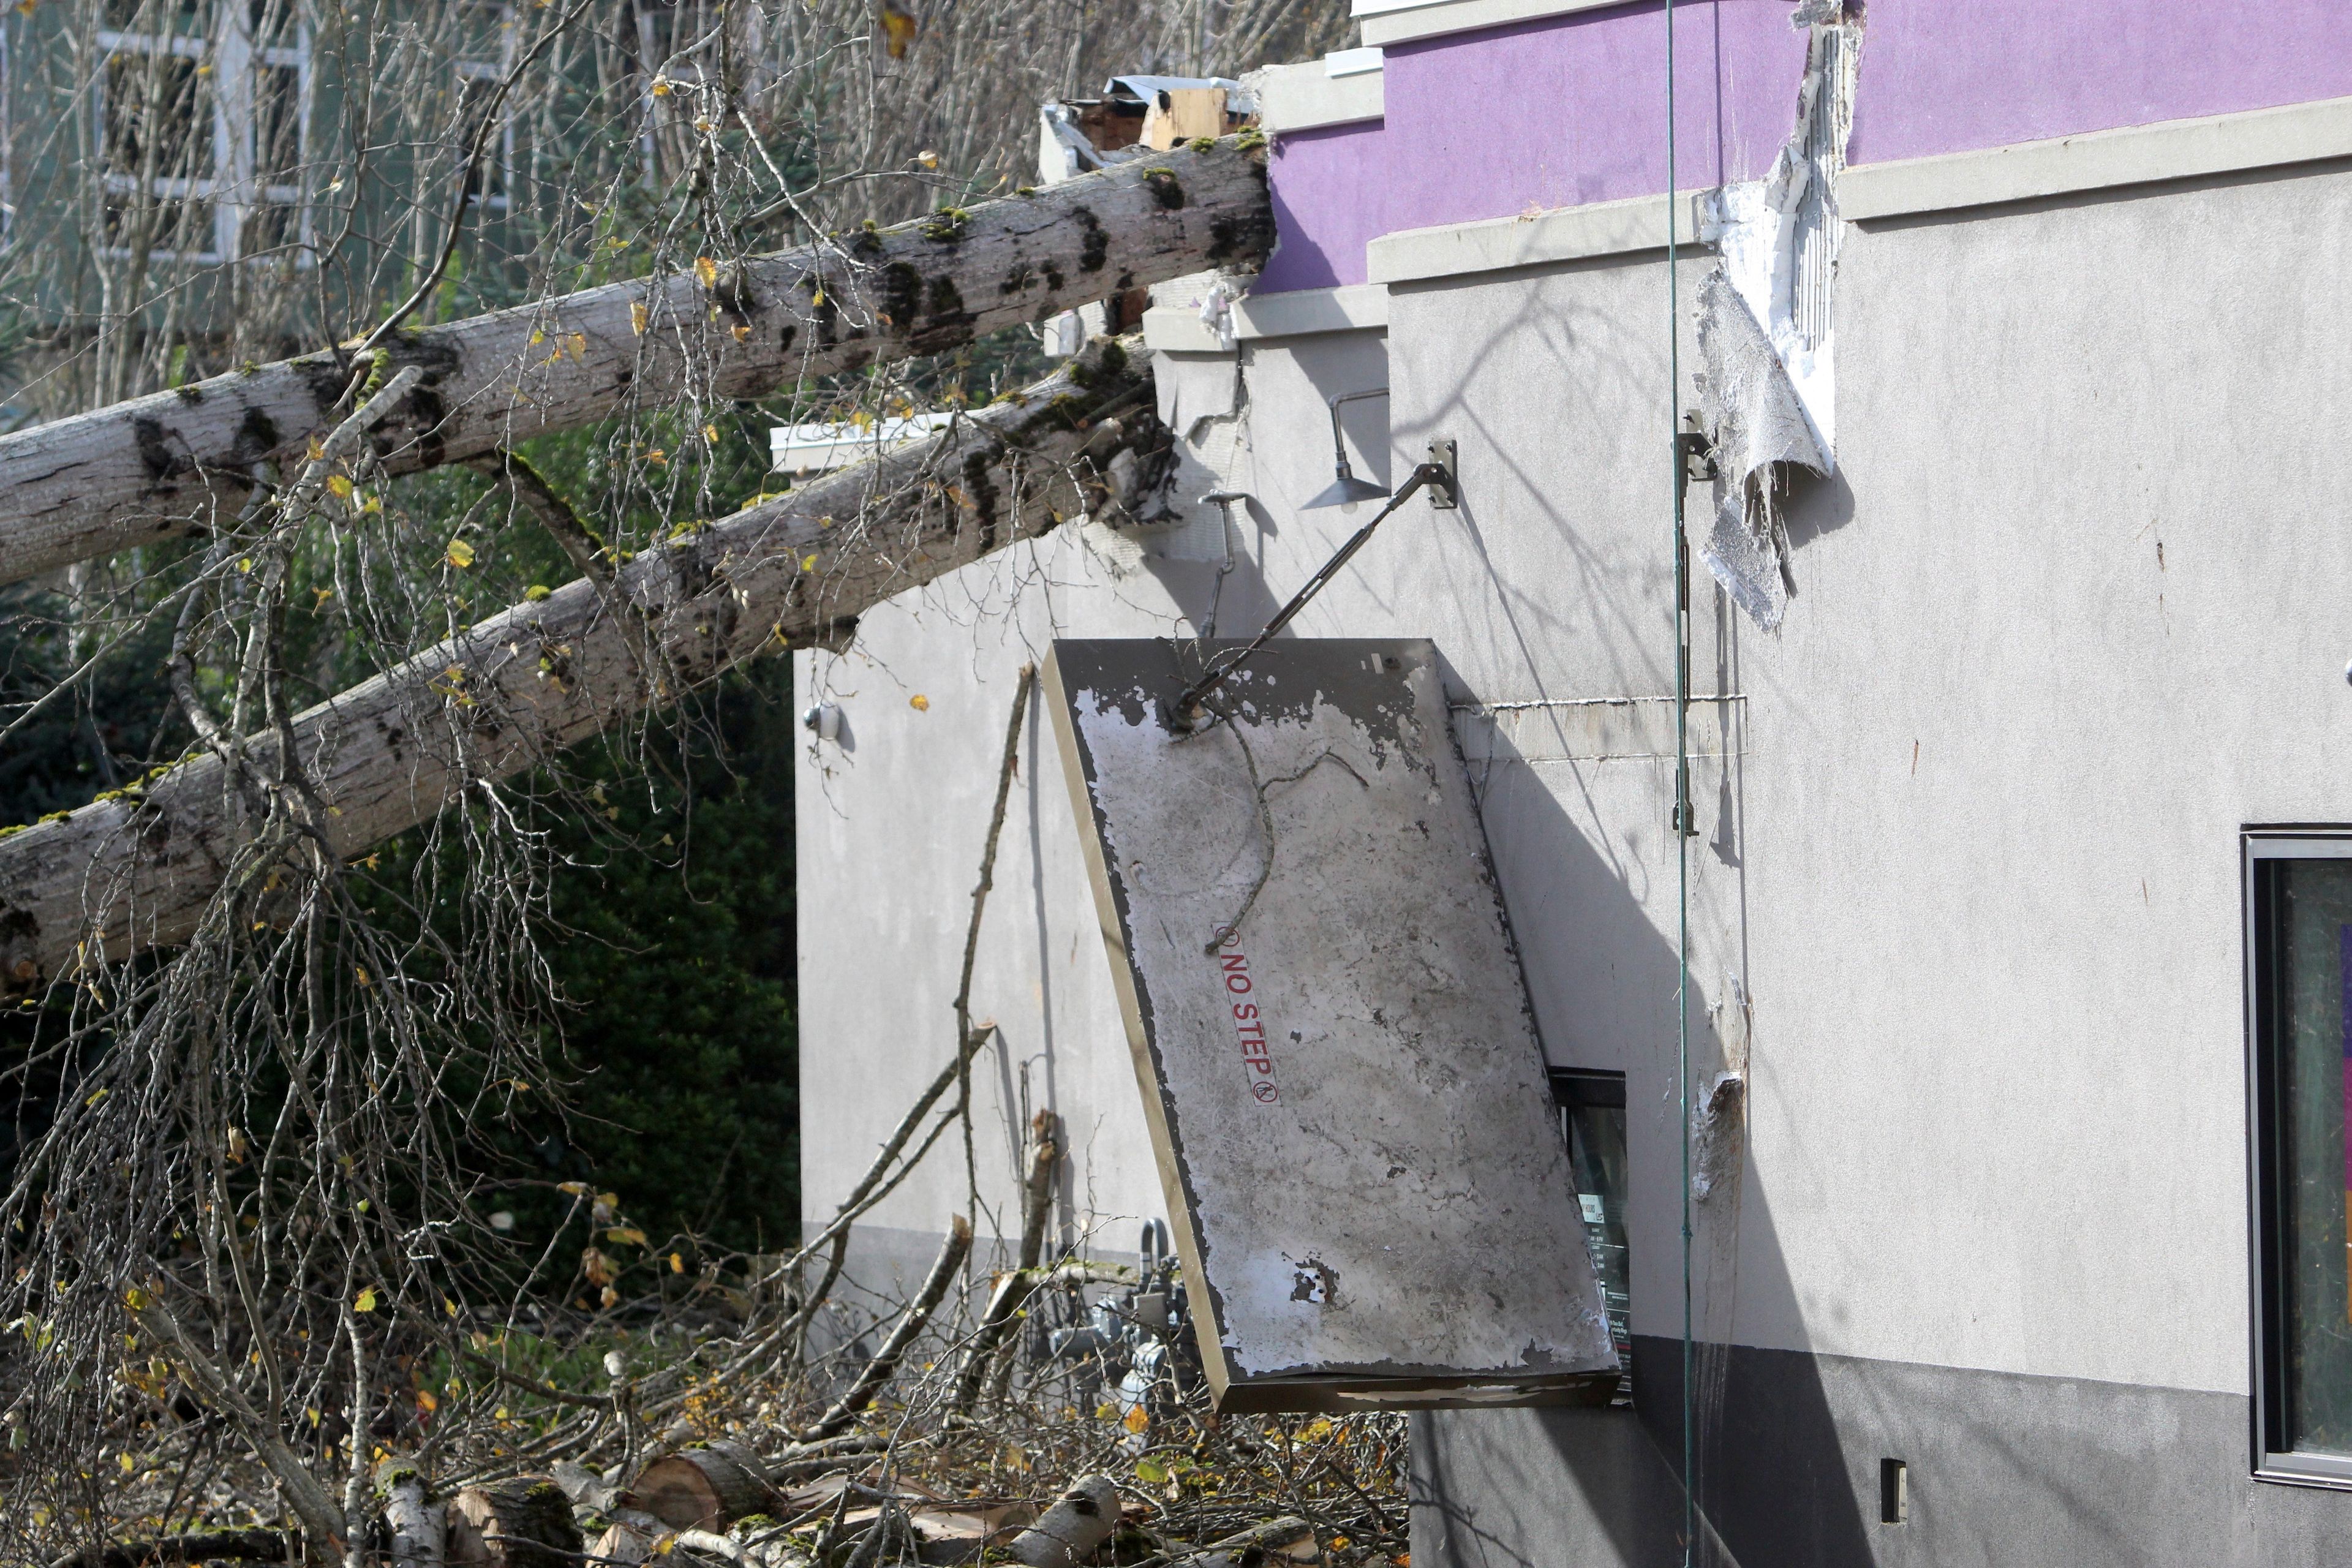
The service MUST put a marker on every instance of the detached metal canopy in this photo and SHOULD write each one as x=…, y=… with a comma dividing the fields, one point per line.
x=1338, y=1061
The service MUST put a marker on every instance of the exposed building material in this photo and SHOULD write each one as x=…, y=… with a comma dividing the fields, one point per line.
x=141, y=867
x=1338, y=1060
x=158, y=466
x=1765, y=327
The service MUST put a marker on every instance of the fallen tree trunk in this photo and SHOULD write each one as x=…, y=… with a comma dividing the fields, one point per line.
x=138, y=871
x=160, y=466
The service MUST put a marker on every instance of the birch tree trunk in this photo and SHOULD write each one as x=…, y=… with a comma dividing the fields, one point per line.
x=157, y=466
x=140, y=870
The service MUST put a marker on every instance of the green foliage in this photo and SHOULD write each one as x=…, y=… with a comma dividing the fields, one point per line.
x=677, y=964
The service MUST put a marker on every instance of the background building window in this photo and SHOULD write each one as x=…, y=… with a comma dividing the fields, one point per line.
x=2299, y=945
x=202, y=136
x=1593, y=1121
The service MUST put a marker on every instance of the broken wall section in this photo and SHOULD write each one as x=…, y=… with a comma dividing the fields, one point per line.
x=1766, y=324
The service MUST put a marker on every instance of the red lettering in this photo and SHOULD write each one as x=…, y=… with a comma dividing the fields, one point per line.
x=1244, y=1009
x=1238, y=984
x=1233, y=962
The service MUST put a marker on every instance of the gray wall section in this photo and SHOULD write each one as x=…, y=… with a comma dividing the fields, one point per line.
x=2003, y=1470
x=2076, y=607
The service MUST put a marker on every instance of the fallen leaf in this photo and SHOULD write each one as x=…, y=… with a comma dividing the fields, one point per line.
x=1136, y=1420
x=460, y=554
x=707, y=270
x=919, y=703
x=636, y=318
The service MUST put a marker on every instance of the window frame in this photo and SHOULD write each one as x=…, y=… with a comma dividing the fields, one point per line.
x=235, y=63
x=2272, y=1461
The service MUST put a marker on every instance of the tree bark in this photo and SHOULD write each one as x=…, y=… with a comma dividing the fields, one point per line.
x=157, y=466
x=139, y=870
x=707, y=1487
x=522, y=1523
x=1068, y=1532
x=418, y=1526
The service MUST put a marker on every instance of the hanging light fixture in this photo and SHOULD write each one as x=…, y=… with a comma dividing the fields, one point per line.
x=1348, y=488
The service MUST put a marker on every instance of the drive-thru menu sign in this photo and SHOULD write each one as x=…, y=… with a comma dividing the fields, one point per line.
x=1338, y=1061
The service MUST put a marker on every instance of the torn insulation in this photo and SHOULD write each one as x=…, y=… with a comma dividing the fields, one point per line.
x=1765, y=325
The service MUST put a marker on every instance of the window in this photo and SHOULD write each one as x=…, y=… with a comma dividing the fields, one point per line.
x=202, y=136
x=2299, y=985
x=1593, y=1121
x=489, y=37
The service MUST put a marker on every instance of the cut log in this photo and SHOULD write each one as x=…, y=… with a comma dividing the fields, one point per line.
x=155, y=466
x=418, y=1526
x=521, y=1523
x=1068, y=1532
x=707, y=1487
x=138, y=873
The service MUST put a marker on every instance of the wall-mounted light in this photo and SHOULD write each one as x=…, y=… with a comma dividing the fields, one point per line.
x=1348, y=488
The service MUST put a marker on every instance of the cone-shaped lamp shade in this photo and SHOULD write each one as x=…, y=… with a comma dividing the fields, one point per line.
x=1345, y=489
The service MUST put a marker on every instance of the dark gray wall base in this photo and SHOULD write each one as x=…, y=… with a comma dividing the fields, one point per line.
x=2003, y=1470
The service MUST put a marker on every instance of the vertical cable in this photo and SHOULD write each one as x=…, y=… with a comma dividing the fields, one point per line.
x=1682, y=791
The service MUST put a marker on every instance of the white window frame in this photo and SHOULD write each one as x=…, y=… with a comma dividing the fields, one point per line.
x=233, y=189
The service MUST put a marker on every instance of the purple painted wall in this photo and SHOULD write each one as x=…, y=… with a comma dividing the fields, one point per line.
x=1947, y=76
x=1333, y=192
x=1572, y=109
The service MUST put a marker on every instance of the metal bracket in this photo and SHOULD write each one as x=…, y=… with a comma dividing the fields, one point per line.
x=1445, y=488
x=1697, y=453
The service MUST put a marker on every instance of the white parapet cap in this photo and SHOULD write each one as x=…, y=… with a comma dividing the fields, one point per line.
x=1383, y=22
x=820, y=448
x=1343, y=88
x=1177, y=326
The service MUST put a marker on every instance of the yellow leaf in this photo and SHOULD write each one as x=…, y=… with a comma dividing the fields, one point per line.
x=899, y=29
x=1315, y=1429
x=661, y=88
x=710, y=433
x=1106, y=1412
x=372, y=503
x=578, y=343
x=817, y=298
x=537, y=337
x=707, y=270
x=658, y=457
x=364, y=980
x=808, y=563
x=1136, y=1420
x=627, y=1232
x=128, y=1463
x=742, y=335
x=677, y=1264
x=919, y=703
x=927, y=159
x=366, y=1302
x=636, y=318
x=138, y=1301
x=611, y=1297
x=426, y=1402
x=448, y=1306
x=340, y=486
x=576, y=1189
x=460, y=554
